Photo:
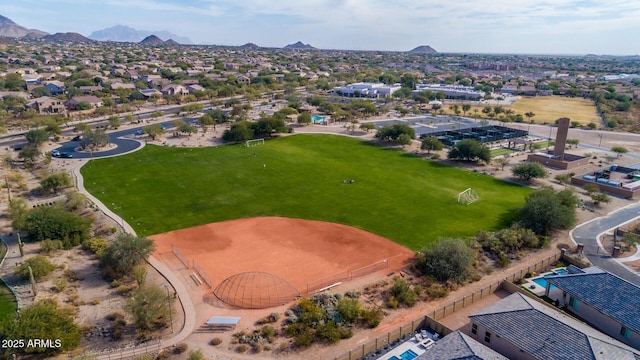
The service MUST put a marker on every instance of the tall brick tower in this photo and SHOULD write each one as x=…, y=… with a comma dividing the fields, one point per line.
x=561, y=137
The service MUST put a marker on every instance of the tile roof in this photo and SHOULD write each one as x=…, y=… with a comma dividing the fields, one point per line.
x=545, y=333
x=458, y=346
x=609, y=294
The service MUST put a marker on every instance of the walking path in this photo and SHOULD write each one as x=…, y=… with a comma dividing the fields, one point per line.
x=178, y=286
x=589, y=235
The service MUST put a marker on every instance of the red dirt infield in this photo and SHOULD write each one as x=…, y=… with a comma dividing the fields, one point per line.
x=300, y=251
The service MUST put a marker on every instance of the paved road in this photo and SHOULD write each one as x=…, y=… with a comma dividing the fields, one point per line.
x=589, y=233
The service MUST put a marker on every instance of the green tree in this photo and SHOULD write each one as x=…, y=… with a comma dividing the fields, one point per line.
x=40, y=266
x=367, y=126
x=470, y=150
x=529, y=170
x=154, y=131
x=393, y=132
x=124, y=254
x=591, y=188
x=267, y=126
x=598, y=198
x=304, y=118
x=56, y=223
x=573, y=142
x=404, y=139
x=114, y=122
x=37, y=136
x=184, y=127
x=149, y=310
x=446, y=259
x=619, y=150
x=465, y=108
x=431, y=143
x=55, y=182
x=546, y=210
x=240, y=131
x=41, y=320
x=502, y=162
x=29, y=153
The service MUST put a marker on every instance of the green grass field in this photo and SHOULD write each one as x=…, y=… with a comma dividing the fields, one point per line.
x=501, y=151
x=394, y=194
x=550, y=108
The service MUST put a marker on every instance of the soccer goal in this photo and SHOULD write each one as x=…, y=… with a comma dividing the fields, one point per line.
x=468, y=196
x=255, y=142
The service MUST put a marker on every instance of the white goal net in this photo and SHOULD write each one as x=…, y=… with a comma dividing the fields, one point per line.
x=468, y=196
x=255, y=142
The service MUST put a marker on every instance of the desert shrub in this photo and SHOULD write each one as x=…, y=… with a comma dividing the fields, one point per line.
x=72, y=275
x=59, y=284
x=242, y=348
x=303, y=339
x=49, y=246
x=95, y=245
x=112, y=316
x=268, y=332
x=503, y=260
x=215, y=341
x=328, y=332
x=195, y=354
x=372, y=316
x=164, y=354
x=271, y=318
x=257, y=348
x=446, y=259
x=349, y=309
x=436, y=290
x=180, y=348
x=40, y=267
x=392, y=302
x=403, y=293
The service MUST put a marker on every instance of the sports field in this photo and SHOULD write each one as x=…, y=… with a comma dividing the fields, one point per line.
x=548, y=109
x=393, y=194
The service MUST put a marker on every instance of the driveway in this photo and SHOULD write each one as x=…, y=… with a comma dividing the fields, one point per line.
x=590, y=232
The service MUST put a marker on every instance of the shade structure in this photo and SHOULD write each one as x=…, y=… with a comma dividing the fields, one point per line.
x=255, y=290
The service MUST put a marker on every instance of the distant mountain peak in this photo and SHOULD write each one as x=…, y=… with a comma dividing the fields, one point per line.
x=423, y=49
x=152, y=40
x=67, y=37
x=300, y=46
x=249, y=46
x=8, y=28
x=123, y=33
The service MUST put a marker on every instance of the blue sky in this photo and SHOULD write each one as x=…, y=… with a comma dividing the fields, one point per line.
x=478, y=26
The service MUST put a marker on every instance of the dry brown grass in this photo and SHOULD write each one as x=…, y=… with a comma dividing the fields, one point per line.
x=550, y=108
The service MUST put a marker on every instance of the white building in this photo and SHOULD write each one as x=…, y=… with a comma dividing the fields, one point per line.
x=451, y=91
x=371, y=90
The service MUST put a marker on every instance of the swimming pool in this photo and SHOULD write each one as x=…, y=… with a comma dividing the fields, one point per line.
x=317, y=118
x=561, y=271
x=407, y=355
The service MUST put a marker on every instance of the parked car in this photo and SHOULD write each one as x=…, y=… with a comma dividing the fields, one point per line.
x=139, y=132
x=55, y=153
x=66, y=155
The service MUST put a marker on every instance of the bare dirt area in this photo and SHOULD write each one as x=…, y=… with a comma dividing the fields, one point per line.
x=273, y=245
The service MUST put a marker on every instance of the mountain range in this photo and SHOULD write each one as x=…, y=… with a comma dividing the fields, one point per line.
x=123, y=33
x=300, y=46
x=424, y=49
x=8, y=28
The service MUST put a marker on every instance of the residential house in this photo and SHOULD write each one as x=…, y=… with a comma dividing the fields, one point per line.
x=94, y=101
x=458, y=346
x=86, y=90
x=243, y=79
x=521, y=327
x=32, y=84
x=119, y=85
x=55, y=87
x=46, y=106
x=20, y=94
x=191, y=82
x=150, y=93
x=194, y=87
x=607, y=302
x=175, y=89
